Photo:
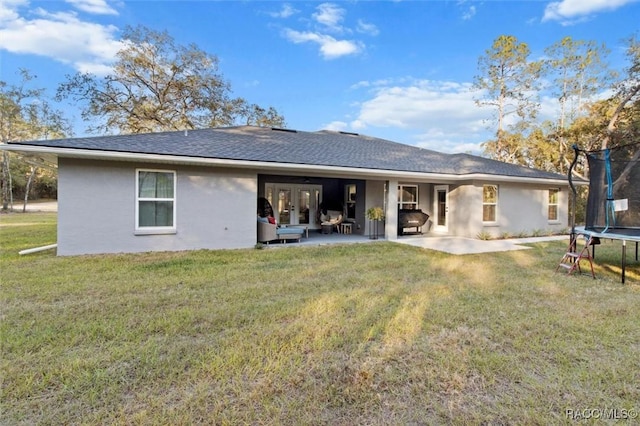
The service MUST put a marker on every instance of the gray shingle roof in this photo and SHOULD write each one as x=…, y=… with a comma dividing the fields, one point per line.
x=323, y=148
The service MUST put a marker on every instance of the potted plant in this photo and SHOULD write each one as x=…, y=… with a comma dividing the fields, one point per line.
x=375, y=215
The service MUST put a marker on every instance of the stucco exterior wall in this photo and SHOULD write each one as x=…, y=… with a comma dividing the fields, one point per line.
x=522, y=209
x=465, y=210
x=215, y=208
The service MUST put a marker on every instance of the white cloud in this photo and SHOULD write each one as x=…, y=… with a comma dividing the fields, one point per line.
x=324, y=30
x=438, y=115
x=98, y=7
x=422, y=102
x=442, y=115
x=366, y=28
x=358, y=125
x=330, y=48
x=286, y=12
x=444, y=144
x=469, y=13
x=62, y=36
x=330, y=15
x=568, y=10
x=8, y=9
x=336, y=126
x=376, y=83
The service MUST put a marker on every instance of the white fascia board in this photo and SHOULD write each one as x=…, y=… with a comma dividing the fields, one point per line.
x=267, y=166
x=483, y=177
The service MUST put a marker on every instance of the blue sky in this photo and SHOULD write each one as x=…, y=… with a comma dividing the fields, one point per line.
x=400, y=70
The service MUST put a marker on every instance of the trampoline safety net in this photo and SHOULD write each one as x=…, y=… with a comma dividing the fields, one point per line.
x=613, y=204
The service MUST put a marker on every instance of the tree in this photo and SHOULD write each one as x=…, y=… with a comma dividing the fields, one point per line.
x=541, y=152
x=614, y=121
x=25, y=114
x=258, y=116
x=508, y=146
x=628, y=90
x=508, y=82
x=577, y=70
x=158, y=85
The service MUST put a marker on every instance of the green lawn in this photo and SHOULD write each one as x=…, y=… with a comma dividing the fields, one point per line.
x=375, y=334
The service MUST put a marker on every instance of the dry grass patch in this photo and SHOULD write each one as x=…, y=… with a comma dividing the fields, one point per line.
x=376, y=333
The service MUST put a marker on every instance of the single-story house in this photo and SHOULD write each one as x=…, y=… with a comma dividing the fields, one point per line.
x=198, y=189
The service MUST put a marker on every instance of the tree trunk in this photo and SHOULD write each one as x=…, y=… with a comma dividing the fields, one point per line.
x=614, y=119
x=28, y=187
x=6, y=181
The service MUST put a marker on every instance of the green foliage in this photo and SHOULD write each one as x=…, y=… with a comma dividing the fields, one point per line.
x=484, y=235
x=578, y=70
x=575, y=71
x=158, y=85
x=581, y=205
x=26, y=114
x=508, y=147
x=375, y=213
x=509, y=83
x=45, y=182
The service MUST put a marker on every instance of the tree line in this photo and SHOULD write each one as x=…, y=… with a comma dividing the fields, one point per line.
x=158, y=85
x=573, y=72
x=155, y=85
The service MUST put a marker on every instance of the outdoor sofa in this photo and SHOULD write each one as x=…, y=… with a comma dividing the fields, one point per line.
x=268, y=232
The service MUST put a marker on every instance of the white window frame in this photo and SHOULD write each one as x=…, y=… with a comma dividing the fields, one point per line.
x=556, y=204
x=402, y=202
x=147, y=230
x=495, y=219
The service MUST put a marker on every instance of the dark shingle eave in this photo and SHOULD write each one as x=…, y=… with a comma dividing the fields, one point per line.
x=323, y=148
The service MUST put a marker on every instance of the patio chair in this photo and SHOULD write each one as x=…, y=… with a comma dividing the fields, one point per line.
x=331, y=220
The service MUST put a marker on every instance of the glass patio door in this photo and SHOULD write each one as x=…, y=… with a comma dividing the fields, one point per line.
x=303, y=208
x=441, y=208
x=294, y=204
x=284, y=207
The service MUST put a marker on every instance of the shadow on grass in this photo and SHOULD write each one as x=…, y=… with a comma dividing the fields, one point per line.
x=361, y=334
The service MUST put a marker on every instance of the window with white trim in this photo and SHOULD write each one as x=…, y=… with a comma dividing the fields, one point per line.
x=408, y=197
x=489, y=203
x=155, y=200
x=553, y=204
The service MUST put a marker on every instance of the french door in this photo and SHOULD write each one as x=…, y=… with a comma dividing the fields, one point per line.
x=294, y=204
x=441, y=208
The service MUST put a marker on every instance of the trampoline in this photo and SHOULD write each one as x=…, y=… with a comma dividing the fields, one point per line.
x=613, y=203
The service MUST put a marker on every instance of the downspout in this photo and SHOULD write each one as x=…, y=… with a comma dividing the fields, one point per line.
x=37, y=249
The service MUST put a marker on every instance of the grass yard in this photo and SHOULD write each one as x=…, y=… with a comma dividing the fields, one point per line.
x=374, y=334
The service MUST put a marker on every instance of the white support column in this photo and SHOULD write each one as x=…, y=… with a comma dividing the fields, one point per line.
x=391, y=213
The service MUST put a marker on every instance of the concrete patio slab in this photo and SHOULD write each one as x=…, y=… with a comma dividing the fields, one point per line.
x=447, y=244
x=460, y=245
